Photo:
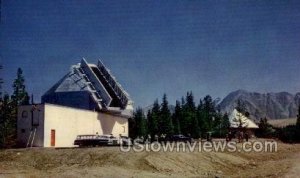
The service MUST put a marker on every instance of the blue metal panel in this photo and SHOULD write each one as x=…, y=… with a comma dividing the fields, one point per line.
x=76, y=99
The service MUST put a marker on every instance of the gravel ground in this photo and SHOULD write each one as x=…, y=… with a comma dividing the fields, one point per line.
x=111, y=162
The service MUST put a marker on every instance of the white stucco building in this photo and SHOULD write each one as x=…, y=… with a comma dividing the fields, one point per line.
x=48, y=125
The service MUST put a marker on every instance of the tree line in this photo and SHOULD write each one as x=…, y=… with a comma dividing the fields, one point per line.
x=288, y=134
x=9, y=109
x=291, y=133
x=188, y=118
x=198, y=120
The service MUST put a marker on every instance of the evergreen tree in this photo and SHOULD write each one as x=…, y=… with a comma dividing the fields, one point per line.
x=189, y=121
x=298, y=125
x=225, y=122
x=149, y=122
x=217, y=124
x=265, y=129
x=20, y=96
x=190, y=104
x=209, y=111
x=140, y=121
x=182, y=101
x=183, y=121
x=10, y=109
x=263, y=123
x=2, y=115
x=196, y=132
x=166, y=126
x=154, y=119
x=176, y=118
x=1, y=99
x=298, y=118
x=291, y=133
x=7, y=123
x=241, y=107
x=201, y=118
x=132, y=128
x=1, y=82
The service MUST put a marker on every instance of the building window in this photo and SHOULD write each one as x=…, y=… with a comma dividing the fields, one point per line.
x=24, y=114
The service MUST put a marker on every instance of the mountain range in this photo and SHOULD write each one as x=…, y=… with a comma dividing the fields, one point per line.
x=279, y=105
x=271, y=105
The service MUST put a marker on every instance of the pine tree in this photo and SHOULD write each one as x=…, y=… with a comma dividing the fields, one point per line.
x=184, y=121
x=225, y=125
x=166, y=126
x=154, y=118
x=192, y=112
x=225, y=122
x=1, y=99
x=265, y=129
x=241, y=107
x=298, y=125
x=1, y=82
x=149, y=122
x=196, y=132
x=2, y=115
x=202, y=118
x=20, y=96
x=140, y=121
x=189, y=121
x=190, y=101
x=132, y=128
x=176, y=118
x=298, y=118
x=7, y=123
x=10, y=107
x=217, y=123
x=209, y=111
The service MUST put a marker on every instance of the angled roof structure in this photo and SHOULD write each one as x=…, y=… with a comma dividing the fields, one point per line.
x=236, y=119
x=90, y=86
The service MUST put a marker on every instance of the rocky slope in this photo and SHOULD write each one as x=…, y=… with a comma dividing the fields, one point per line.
x=270, y=105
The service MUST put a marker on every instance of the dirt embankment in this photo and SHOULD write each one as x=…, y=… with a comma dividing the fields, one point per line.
x=111, y=162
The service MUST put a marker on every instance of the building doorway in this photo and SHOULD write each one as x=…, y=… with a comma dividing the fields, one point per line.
x=52, y=138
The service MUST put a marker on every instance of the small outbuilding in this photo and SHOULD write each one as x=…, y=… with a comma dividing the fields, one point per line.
x=241, y=123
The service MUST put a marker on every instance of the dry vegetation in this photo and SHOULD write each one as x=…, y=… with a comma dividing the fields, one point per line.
x=111, y=162
x=282, y=122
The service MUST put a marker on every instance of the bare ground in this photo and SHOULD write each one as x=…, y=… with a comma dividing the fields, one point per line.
x=111, y=162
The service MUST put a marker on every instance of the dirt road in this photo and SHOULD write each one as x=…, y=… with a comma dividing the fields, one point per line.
x=111, y=162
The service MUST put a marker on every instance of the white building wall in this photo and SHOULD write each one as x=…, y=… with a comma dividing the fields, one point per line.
x=25, y=129
x=70, y=122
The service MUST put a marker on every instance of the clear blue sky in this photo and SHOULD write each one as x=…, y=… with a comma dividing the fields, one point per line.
x=156, y=47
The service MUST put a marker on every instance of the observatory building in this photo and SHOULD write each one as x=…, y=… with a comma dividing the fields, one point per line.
x=87, y=100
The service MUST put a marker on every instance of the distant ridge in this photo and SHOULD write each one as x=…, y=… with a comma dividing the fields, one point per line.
x=271, y=105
